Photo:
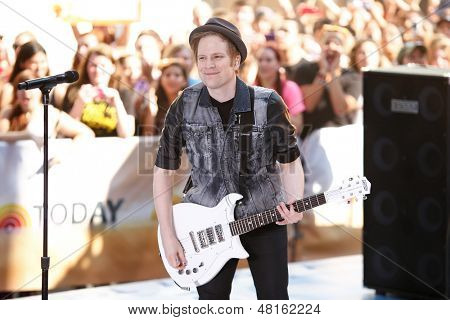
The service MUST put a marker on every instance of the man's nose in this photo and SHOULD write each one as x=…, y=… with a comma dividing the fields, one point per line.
x=210, y=63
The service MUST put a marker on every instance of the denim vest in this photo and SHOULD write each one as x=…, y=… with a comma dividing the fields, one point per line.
x=215, y=153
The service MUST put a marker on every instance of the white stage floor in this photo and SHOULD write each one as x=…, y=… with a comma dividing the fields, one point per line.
x=332, y=278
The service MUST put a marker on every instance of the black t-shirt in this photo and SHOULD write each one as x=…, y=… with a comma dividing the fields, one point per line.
x=224, y=109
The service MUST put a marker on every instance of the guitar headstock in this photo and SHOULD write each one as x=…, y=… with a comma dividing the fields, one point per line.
x=351, y=188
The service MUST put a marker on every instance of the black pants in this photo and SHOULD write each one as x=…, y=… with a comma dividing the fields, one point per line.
x=267, y=248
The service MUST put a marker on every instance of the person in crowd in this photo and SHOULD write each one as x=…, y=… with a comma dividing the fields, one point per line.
x=5, y=63
x=201, y=12
x=443, y=26
x=289, y=42
x=133, y=88
x=392, y=43
x=271, y=76
x=21, y=39
x=413, y=53
x=149, y=47
x=23, y=120
x=365, y=54
x=439, y=52
x=85, y=42
x=94, y=102
x=31, y=56
x=183, y=52
x=263, y=23
x=172, y=81
x=329, y=99
x=244, y=15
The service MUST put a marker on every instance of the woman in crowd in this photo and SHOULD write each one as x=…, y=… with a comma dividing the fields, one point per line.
x=23, y=120
x=181, y=51
x=133, y=87
x=365, y=54
x=85, y=42
x=270, y=76
x=94, y=102
x=173, y=79
x=439, y=52
x=149, y=46
x=31, y=56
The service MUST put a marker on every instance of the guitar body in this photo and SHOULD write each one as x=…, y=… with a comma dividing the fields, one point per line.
x=195, y=223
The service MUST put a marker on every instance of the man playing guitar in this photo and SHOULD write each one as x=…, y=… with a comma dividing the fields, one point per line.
x=238, y=140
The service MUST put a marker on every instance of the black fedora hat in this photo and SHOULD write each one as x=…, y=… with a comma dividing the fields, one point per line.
x=225, y=28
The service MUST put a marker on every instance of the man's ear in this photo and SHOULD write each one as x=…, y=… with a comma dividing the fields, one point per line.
x=237, y=62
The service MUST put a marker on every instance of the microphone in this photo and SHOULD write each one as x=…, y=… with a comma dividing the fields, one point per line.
x=66, y=77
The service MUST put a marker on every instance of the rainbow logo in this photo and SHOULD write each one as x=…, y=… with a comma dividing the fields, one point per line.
x=13, y=216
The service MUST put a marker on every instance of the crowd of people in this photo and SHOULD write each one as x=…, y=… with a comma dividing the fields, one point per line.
x=312, y=54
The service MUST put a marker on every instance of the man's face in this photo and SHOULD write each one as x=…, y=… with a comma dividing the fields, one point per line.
x=215, y=66
x=417, y=56
x=332, y=46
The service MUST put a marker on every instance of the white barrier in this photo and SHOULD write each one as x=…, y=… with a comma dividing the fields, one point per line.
x=332, y=155
x=101, y=212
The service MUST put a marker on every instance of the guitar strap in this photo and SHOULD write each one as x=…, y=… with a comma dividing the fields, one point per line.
x=245, y=120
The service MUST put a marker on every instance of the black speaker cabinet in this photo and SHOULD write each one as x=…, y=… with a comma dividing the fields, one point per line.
x=406, y=158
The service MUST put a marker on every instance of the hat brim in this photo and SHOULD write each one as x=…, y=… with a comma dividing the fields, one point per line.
x=240, y=45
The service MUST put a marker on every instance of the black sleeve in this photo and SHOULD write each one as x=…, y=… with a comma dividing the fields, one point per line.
x=305, y=73
x=171, y=142
x=283, y=132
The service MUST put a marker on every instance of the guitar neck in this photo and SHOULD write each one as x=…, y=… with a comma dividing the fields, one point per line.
x=253, y=222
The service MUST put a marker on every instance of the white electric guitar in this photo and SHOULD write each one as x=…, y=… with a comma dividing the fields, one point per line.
x=210, y=236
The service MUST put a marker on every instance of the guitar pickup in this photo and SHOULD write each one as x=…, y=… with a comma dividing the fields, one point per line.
x=219, y=233
x=202, y=239
x=210, y=235
x=194, y=243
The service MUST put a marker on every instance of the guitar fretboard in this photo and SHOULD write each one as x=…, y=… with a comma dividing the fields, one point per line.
x=253, y=222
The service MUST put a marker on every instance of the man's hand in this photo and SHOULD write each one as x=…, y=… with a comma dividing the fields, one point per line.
x=289, y=215
x=174, y=252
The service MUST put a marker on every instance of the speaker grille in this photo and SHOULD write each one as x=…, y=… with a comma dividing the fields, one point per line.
x=406, y=218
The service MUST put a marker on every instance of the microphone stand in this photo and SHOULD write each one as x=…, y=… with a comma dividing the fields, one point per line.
x=45, y=259
x=46, y=85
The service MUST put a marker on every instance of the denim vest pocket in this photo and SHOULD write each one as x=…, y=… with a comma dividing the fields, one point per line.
x=198, y=145
x=256, y=157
